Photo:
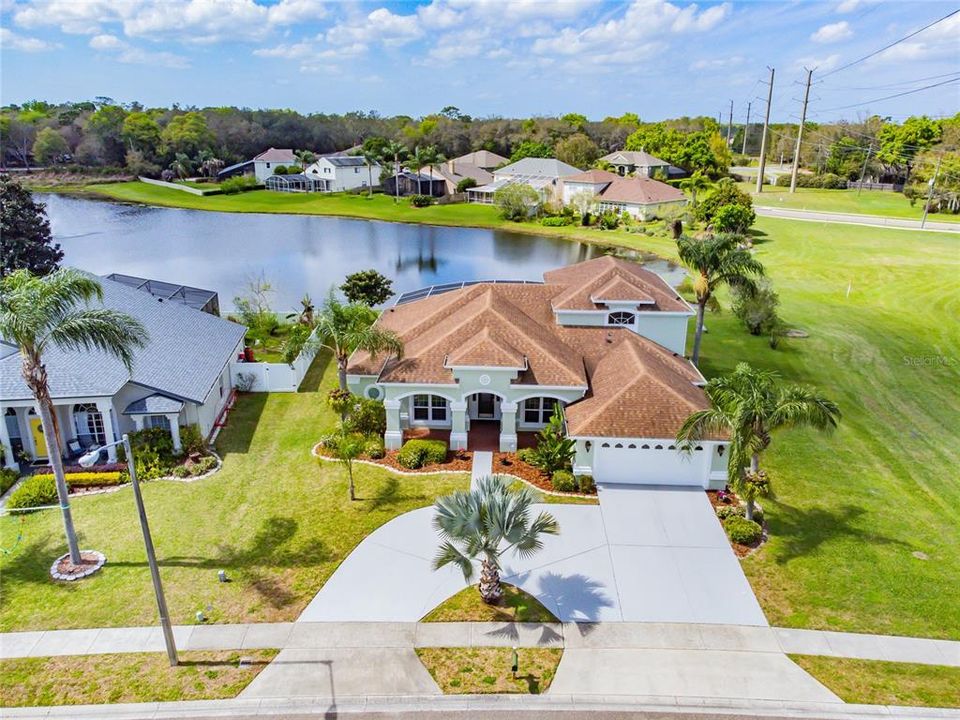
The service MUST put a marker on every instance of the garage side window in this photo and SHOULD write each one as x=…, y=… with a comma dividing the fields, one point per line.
x=429, y=408
x=620, y=318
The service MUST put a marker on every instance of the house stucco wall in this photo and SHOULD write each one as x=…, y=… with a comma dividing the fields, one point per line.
x=669, y=330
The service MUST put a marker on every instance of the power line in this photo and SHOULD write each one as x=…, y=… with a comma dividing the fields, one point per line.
x=890, y=97
x=894, y=85
x=887, y=47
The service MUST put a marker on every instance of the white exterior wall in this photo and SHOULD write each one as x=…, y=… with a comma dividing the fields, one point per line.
x=642, y=212
x=669, y=330
x=651, y=461
x=344, y=178
x=573, y=188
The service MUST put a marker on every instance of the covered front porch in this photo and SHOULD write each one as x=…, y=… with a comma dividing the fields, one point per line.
x=483, y=435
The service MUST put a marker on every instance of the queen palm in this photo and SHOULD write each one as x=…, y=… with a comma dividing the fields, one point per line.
x=39, y=313
x=483, y=524
x=306, y=157
x=371, y=159
x=696, y=183
x=417, y=162
x=715, y=260
x=749, y=405
x=344, y=328
x=181, y=165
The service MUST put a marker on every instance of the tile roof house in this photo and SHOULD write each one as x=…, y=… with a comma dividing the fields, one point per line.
x=542, y=174
x=639, y=196
x=182, y=377
x=477, y=165
x=640, y=162
x=604, y=339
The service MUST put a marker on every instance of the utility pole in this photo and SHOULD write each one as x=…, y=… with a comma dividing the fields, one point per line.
x=730, y=124
x=803, y=120
x=863, y=172
x=746, y=129
x=933, y=184
x=763, y=140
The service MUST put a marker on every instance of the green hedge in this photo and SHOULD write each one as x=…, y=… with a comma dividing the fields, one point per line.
x=741, y=530
x=417, y=453
x=35, y=491
x=8, y=476
x=89, y=479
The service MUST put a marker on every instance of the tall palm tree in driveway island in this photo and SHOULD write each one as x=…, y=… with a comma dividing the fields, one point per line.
x=39, y=313
x=714, y=261
x=484, y=523
x=749, y=405
x=343, y=328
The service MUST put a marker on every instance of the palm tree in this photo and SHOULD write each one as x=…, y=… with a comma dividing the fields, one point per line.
x=417, y=162
x=348, y=447
x=715, y=260
x=433, y=157
x=181, y=165
x=306, y=157
x=37, y=313
x=750, y=404
x=393, y=152
x=483, y=524
x=346, y=328
x=371, y=159
x=698, y=182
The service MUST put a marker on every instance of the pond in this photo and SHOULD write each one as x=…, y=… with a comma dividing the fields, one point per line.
x=295, y=253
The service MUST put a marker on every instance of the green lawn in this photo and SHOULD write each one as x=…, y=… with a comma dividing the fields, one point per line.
x=128, y=678
x=873, y=682
x=274, y=518
x=468, y=606
x=869, y=202
x=198, y=185
x=474, y=671
x=852, y=509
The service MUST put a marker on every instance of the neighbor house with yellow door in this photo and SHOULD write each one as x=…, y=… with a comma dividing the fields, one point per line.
x=181, y=377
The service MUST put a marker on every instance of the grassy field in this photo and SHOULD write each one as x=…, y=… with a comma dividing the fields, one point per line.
x=467, y=606
x=469, y=671
x=274, y=518
x=873, y=682
x=128, y=678
x=869, y=202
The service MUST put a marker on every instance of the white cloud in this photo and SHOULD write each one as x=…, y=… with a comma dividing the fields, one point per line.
x=939, y=42
x=288, y=51
x=834, y=32
x=718, y=63
x=380, y=25
x=126, y=53
x=848, y=6
x=10, y=40
x=822, y=64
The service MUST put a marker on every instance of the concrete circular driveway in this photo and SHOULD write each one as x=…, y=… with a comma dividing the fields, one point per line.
x=645, y=554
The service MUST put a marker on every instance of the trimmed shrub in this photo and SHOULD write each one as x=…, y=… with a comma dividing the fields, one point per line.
x=329, y=441
x=8, y=476
x=466, y=184
x=35, y=491
x=238, y=184
x=367, y=416
x=89, y=479
x=562, y=481
x=421, y=201
x=827, y=181
x=527, y=455
x=733, y=218
x=374, y=449
x=417, y=453
x=204, y=465
x=741, y=530
x=586, y=484
x=180, y=471
x=556, y=221
x=725, y=512
x=191, y=439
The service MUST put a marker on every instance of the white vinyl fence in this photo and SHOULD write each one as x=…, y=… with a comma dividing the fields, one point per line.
x=271, y=377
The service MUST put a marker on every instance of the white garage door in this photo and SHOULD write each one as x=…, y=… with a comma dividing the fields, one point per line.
x=648, y=463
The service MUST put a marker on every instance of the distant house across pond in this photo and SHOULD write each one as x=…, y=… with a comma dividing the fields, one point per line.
x=478, y=166
x=425, y=182
x=338, y=173
x=262, y=166
x=542, y=174
x=298, y=182
x=642, y=163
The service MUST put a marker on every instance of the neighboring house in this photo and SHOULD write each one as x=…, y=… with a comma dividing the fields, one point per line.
x=478, y=166
x=296, y=182
x=425, y=182
x=603, y=338
x=343, y=172
x=641, y=197
x=542, y=174
x=640, y=162
x=182, y=377
x=591, y=182
x=262, y=166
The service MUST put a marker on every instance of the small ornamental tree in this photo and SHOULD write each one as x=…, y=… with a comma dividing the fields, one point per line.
x=733, y=218
x=367, y=287
x=516, y=201
x=725, y=192
x=25, y=239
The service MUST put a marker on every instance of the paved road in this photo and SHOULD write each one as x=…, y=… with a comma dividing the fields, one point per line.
x=854, y=219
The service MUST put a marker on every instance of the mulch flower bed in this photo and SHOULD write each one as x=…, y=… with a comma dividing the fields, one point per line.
x=457, y=461
x=731, y=500
x=90, y=562
x=510, y=464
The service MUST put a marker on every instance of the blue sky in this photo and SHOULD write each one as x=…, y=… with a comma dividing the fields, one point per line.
x=487, y=57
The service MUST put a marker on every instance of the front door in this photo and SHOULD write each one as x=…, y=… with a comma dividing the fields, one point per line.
x=486, y=407
x=39, y=441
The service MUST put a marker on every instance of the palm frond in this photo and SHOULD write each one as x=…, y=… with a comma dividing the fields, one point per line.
x=448, y=554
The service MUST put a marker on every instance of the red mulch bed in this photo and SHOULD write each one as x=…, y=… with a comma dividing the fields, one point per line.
x=510, y=464
x=738, y=548
x=87, y=561
x=457, y=461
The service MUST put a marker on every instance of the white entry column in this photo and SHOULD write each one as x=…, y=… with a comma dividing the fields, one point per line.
x=174, y=419
x=8, y=459
x=508, y=427
x=393, y=437
x=458, y=429
x=104, y=408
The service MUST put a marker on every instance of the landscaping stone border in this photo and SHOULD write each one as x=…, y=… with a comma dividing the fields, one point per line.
x=99, y=557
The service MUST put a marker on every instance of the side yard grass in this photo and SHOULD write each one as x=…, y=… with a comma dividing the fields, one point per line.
x=874, y=682
x=128, y=678
x=468, y=606
x=471, y=671
x=275, y=518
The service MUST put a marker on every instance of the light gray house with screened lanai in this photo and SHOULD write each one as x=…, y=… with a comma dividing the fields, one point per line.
x=181, y=377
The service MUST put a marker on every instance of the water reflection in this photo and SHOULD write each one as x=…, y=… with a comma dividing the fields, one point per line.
x=297, y=253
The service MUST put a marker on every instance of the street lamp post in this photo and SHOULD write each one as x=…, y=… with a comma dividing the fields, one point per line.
x=89, y=460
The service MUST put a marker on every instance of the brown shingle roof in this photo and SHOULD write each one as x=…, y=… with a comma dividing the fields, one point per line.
x=583, y=281
x=277, y=155
x=482, y=159
x=640, y=191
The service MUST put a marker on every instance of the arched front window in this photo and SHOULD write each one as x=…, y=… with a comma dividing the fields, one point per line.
x=537, y=411
x=88, y=420
x=620, y=318
x=429, y=408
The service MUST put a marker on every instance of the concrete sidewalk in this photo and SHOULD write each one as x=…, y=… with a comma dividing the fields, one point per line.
x=595, y=636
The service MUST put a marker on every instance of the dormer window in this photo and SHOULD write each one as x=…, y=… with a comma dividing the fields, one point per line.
x=620, y=318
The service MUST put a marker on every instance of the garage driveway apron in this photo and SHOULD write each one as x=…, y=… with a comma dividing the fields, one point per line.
x=645, y=554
